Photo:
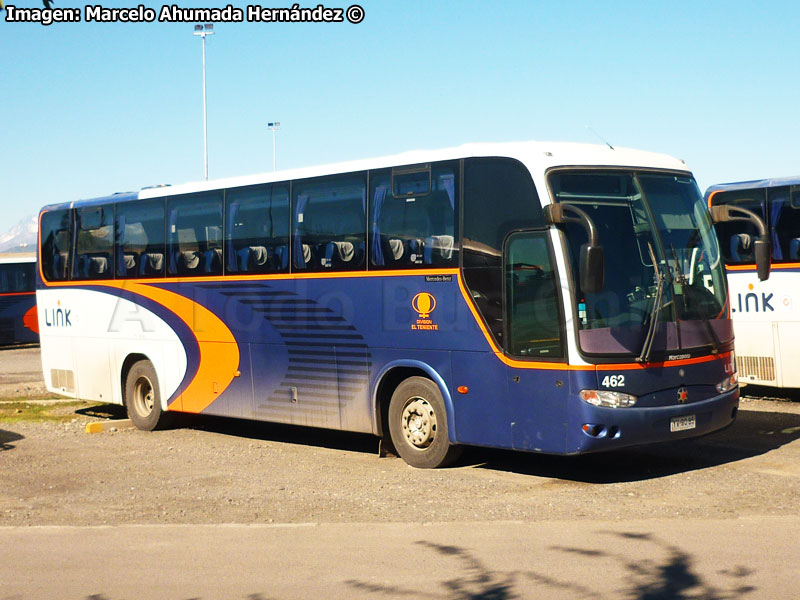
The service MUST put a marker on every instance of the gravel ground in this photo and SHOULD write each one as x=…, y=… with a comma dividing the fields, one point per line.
x=227, y=471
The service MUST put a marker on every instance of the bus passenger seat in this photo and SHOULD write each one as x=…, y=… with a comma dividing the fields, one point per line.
x=189, y=259
x=243, y=255
x=794, y=248
x=306, y=254
x=282, y=254
x=415, y=251
x=128, y=263
x=438, y=248
x=98, y=265
x=259, y=255
x=59, y=265
x=396, y=248
x=151, y=263
x=212, y=260
x=740, y=247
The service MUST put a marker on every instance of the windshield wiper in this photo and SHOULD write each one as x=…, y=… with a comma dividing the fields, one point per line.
x=689, y=294
x=647, y=347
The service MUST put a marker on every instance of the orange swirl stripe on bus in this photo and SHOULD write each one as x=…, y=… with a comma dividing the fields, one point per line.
x=219, y=352
x=31, y=319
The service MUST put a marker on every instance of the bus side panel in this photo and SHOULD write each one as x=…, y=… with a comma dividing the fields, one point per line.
x=237, y=399
x=539, y=408
x=765, y=315
x=88, y=333
x=15, y=310
x=786, y=339
x=482, y=415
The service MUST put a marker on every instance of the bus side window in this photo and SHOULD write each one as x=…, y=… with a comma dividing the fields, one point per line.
x=257, y=229
x=94, y=243
x=16, y=278
x=784, y=223
x=330, y=223
x=55, y=233
x=413, y=223
x=140, y=239
x=194, y=234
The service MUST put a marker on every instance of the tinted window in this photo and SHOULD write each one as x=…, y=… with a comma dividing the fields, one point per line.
x=784, y=224
x=736, y=237
x=16, y=278
x=413, y=217
x=257, y=229
x=140, y=239
x=330, y=223
x=499, y=197
x=534, y=322
x=194, y=234
x=94, y=243
x=55, y=231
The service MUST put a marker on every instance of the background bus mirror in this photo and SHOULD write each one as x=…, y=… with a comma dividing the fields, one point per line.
x=592, y=268
x=726, y=213
x=762, y=254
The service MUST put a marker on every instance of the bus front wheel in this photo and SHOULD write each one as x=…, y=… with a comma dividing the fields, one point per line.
x=143, y=399
x=418, y=425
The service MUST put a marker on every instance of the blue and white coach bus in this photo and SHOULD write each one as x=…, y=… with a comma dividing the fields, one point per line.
x=18, y=322
x=766, y=315
x=547, y=297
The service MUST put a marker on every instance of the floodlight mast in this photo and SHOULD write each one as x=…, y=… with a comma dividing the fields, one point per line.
x=203, y=31
x=274, y=126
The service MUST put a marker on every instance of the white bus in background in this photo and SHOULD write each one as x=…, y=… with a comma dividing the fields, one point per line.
x=766, y=314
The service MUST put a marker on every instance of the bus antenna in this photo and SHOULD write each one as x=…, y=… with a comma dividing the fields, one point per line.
x=589, y=127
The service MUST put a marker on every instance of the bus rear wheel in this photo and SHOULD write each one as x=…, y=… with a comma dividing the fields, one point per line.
x=143, y=399
x=418, y=425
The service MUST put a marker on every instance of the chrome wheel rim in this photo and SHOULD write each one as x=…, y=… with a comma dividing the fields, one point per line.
x=419, y=422
x=144, y=397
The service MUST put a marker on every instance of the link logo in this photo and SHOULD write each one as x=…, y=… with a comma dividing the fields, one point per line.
x=57, y=317
x=752, y=303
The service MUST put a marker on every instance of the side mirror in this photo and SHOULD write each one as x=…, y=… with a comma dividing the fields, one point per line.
x=725, y=213
x=592, y=268
x=761, y=250
x=591, y=265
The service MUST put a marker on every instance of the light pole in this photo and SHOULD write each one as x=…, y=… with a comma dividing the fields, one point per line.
x=203, y=31
x=274, y=126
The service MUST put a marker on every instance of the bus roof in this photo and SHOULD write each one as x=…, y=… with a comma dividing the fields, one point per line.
x=17, y=257
x=537, y=156
x=752, y=185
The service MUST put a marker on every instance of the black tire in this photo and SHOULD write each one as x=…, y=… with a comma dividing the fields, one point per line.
x=418, y=425
x=143, y=398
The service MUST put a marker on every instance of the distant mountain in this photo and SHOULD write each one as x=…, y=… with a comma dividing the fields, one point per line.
x=21, y=237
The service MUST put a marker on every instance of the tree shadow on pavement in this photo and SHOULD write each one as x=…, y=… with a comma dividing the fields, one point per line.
x=752, y=434
x=673, y=576
x=7, y=438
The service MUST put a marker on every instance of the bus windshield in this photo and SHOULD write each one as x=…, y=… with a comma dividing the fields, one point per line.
x=664, y=288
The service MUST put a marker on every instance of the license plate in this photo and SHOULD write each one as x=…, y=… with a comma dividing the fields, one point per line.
x=682, y=423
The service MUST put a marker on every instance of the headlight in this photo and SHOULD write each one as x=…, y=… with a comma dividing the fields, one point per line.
x=732, y=379
x=608, y=399
x=729, y=383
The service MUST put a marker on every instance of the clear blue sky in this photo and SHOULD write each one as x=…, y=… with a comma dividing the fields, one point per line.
x=90, y=109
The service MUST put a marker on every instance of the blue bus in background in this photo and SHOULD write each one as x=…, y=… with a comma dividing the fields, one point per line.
x=546, y=297
x=18, y=321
